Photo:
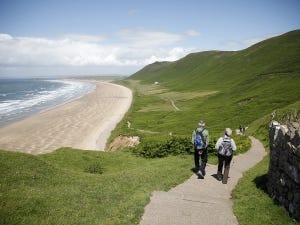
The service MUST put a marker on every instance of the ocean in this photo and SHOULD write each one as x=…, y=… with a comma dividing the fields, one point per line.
x=21, y=98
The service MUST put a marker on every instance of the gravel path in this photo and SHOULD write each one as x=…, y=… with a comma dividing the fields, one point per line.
x=201, y=201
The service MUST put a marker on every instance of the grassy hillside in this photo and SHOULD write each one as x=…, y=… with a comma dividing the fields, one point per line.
x=278, y=56
x=252, y=204
x=224, y=88
x=82, y=187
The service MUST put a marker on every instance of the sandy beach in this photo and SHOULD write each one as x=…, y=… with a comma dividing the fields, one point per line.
x=85, y=123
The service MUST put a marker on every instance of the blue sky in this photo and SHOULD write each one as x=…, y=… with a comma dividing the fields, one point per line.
x=89, y=37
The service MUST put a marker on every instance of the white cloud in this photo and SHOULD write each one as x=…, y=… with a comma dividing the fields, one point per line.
x=144, y=38
x=192, y=33
x=5, y=37
x=135, y=48
x=85, y=38
x=127, y=50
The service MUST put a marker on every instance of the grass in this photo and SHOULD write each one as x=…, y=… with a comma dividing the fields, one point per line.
x=249, y=192
x=250, y=195
x=227, y=89
x=246, y=86
x=55, y=188
x=252, y=204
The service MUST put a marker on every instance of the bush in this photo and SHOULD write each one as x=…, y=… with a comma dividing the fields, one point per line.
x=182, y=145
x=243, y=143
x=173, y=146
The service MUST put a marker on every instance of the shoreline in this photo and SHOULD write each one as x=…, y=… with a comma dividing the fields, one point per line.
x=43, y=107
x=84, y=123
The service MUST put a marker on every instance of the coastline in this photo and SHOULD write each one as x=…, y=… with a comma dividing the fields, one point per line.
x=39, y=103
x=84, y=123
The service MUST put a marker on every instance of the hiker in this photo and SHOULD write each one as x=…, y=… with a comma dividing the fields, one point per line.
x=241, y=129
x=200, y=140
x=225, y=146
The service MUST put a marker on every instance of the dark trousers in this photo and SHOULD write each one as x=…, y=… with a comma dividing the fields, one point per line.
x=223, y=160
x=203, y=157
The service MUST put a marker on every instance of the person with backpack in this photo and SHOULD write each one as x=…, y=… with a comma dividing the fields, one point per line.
x=225, y=146
x=200, y=140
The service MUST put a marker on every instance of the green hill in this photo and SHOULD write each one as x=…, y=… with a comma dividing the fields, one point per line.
x=224, y=88
x=278, y=56
x=247, y=85
x=227, y=89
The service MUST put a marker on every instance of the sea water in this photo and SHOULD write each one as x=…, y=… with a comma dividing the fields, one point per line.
x=21, y=98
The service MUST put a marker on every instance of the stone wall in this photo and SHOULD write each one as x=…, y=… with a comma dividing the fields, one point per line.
x=284, y=171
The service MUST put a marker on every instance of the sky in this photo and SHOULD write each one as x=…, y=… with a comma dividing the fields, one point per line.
x=56, y=38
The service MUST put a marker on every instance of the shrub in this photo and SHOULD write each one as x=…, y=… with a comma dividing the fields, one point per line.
x=182, y=145
x=172, y=146
x=243, y=143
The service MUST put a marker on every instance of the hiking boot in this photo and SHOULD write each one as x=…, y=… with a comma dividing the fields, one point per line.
x=225, y=176
x=200, y=175
x=219, y=176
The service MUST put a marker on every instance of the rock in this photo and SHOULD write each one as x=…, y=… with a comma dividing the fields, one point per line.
x=284, y=171
x=123, y=142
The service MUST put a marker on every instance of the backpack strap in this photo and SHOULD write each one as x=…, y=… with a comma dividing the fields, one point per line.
x=202, y=135
x=200, y=131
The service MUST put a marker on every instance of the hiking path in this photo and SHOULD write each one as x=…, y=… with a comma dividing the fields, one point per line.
x=202, y=201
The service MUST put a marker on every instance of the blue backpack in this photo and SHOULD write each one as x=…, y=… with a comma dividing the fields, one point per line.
x=199, y=142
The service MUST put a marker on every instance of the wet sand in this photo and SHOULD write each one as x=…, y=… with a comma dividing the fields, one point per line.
x=85, y=123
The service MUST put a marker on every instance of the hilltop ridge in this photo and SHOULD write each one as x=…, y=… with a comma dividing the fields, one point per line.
x=277, y=55
x=246, y=85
